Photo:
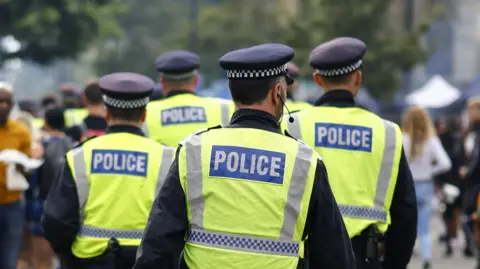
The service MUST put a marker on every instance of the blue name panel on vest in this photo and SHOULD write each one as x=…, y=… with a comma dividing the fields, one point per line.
x=247, y=163
x=184, y=114
x=106, y=161
x=343, y=136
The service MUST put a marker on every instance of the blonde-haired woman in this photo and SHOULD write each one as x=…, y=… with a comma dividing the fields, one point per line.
x=427, y=158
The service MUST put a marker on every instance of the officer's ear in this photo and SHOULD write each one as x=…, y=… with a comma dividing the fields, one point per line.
x=162, y=82
x=358, y=78
x=144, y=116
x=318, y=79
x=277, y=92
x=196, y=80
x=107, y=115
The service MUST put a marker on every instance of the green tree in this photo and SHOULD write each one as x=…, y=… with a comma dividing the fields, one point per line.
x=148, y=28
x=390, y=53
x=48, y=30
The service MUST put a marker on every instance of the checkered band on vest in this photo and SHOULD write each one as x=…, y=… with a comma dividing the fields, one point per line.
x=125, y=104
x=107, y=233
x=340, y=71
x=239, y=242
x=265, y=73
x=183, y=76
x=363, y=213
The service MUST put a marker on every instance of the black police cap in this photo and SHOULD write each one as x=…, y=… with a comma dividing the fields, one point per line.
x=258, y=62
x=338, y=57
x=126, y=90
x=178, y=64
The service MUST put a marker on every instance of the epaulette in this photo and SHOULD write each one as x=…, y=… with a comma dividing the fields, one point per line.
x=199, y=132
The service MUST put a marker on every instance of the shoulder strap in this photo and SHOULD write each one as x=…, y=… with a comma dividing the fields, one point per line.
x=199, y=132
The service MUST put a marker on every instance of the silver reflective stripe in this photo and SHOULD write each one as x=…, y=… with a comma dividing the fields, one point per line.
x=81, y=178
x=387, y=164
x=193, y=150
x=301, y=168
x=294, y=127
x=109, y=233
x=225, y=110
x=167, y=158
x=245, y=243
x=359, y=212
x=378, y=213
x=145, y=129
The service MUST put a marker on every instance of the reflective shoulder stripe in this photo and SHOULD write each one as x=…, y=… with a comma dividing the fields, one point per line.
x=386, y=167
x=81, y=178
x=301, y=169
x=225, y=110
x=378, y=213
x=244, y=243
x=359, y=212
x=167, y=158
x=192, y=135
x=145, y=129
x=193, y=150
x=294, y=127
x=89, y=231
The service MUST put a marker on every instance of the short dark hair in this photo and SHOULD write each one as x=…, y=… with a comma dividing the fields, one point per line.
x=50, y=100
x=134, y=114
x=249, y=92
x=93, y=93
x=55, y=119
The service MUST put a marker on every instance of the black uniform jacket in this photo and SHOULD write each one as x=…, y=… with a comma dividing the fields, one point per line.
x=61, y=219
x=328, y=245
x=401, y=235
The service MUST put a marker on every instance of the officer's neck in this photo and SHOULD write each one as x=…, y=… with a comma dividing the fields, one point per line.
x=115, y=122
x=95, y=110
x=352, y=89
x=167, y=90
x=261, y=107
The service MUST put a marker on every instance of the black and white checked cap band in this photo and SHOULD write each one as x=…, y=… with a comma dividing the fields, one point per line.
x=265, y=73
x=126, y=104
x=182, y=76
x=340, y=71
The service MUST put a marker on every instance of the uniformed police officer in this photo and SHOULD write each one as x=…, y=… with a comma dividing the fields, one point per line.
x=373, y=184
x=292, y=104
x=72, y=102
x=98, y=206
x=246, y=195
x=182, y=112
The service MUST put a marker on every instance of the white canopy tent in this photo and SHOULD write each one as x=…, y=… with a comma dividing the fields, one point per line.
x=436, y=93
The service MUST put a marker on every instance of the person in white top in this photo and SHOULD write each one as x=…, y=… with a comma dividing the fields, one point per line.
x=427, y=158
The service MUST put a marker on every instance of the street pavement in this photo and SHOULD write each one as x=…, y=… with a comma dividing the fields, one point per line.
x=457, y=261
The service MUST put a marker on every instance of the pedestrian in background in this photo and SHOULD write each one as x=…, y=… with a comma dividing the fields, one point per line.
x=15, y=136
x=427, y=158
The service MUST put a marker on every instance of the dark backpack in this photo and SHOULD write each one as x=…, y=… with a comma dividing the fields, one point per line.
x=54, y=158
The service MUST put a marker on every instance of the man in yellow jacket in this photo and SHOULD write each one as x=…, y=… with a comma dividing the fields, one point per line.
x=181, y=112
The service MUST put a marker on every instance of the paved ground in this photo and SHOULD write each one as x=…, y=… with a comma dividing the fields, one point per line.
x=458, y=261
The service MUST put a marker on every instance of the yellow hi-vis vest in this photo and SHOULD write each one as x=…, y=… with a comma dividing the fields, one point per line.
x=38, y=123
x=172, y=119
x=361, y=152
x=118, y=176
x=248, y=193
x=74, y=116
x=296, y=105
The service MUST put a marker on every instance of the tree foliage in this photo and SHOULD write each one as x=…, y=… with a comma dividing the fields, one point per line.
x=48, y=30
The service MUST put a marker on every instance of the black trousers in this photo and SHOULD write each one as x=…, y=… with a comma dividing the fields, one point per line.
x=124, y=259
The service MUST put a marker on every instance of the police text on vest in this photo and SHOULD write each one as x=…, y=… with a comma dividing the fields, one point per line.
x=105, y=161
x=342, y=136
x=184, y=114
x=247, y=163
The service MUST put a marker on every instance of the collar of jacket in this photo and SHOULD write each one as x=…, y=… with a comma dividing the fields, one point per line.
x=336, y=98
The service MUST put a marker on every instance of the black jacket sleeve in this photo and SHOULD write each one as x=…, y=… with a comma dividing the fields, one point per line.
x=328, y=243
x=401, y=234
x=61, y=217
x=164, y=236
x=473, y=166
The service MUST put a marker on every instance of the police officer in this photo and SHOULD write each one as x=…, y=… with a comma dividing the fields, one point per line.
x=292, y=104
x=182, y=112
x=98, y=206
x=375, y=193
x=72, y=102
x=246, y=195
